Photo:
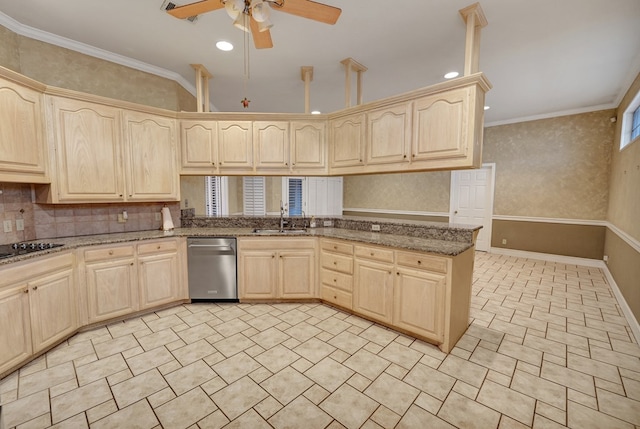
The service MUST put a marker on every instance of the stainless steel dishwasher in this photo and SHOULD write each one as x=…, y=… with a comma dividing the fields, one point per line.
x=212, y=268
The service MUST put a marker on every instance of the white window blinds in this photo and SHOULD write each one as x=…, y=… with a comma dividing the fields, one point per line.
x=254, y=196
x=215, y=195
x=295, y=185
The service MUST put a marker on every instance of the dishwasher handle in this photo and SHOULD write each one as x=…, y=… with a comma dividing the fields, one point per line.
x=217, y=246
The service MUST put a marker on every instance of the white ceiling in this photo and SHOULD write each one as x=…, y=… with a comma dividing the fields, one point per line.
x=543, y=57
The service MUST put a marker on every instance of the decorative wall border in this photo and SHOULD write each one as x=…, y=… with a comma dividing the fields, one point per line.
x=397, y=212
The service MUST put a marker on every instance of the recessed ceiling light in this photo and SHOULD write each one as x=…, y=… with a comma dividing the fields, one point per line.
x=487, y=107
x=224, y=45
x=316, y=112
x=451, y=75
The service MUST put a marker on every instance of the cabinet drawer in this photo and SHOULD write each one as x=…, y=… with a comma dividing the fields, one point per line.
x=157, y=247
x=336, y=279
x=335, y=296
x=422, y=261
x=108, y=253
x=337, y=246
x=374, y=253
x=337, y=263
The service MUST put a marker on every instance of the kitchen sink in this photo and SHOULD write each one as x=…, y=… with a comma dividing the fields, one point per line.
x=287, y=231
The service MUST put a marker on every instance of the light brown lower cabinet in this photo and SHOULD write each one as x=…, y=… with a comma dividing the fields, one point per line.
x=159, y=277
x=276, y=268
x=373, y=290
x=37, y=306
x=111, y=282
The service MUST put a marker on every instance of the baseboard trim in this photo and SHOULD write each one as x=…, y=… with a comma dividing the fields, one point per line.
x=624, y=306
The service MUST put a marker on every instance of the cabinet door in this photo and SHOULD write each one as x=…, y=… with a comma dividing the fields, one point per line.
x=151, y=158
x=235, y=145
x=111, y=288
x=308, y=147
x=373, y=290
x=22, y=148
x=199, y=147
x=271, y=144
x=389, y=134
x=53, y=308
x=88, y=151
x=347, y=141
x=158, y=277
x=419, y=303
x=258, y=273
x=297, y=274
x=440, y=126
x=15, y=335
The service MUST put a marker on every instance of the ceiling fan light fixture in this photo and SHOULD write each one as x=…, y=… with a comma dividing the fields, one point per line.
x=260, y=10
x=234, y=8
x=264, y=26
x=242, y=22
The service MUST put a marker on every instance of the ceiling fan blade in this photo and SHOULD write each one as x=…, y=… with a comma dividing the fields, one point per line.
x=197, y=8
x=261, y=40
x=309, y=9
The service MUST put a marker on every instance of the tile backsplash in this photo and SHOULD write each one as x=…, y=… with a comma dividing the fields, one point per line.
x=44, y=221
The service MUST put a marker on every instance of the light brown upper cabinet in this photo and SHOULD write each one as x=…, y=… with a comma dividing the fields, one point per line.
x=150, y=157
x=271, y=145
x=22, y=147
x=389, y=134
x=87, y=152
x=308, y=147
x=442, y=128
x=235, y=146
x=199, y=147
x=104, y=154
x=347, y=142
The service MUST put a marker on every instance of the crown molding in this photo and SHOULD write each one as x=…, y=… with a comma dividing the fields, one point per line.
x=83, y=48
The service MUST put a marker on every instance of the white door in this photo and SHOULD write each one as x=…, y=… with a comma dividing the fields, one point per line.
x=472, y=201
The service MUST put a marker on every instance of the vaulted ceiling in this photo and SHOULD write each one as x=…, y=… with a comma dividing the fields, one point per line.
x=543, y=57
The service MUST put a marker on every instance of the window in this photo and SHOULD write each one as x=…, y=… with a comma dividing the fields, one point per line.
x=635, y=124
x=631, y=122
x=295, y=196
x=216, y=196
x=253, y=196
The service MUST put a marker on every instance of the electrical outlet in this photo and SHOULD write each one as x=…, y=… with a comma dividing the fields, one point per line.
x=121, y=218
x=375, y=227
x=605, y=258
x=7, y=226
x=504, y=241
x=158, y=216
x=19, y=224
x=327, y=224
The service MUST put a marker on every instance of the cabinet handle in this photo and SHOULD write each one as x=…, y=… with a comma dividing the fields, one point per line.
x=404, y=156
x=413, y=155
x=120, y=194
x=213, y=163
x=372, y=253
x=35, y=288
x=335, y=280
x=419, y=262
x=26, y=290
x=397, y=273
x=110, y=252
x=335, y=297
x=158, y=247
x=273, y=256
x=335, y=247
x=131, y=264
x=335, y=263
x=286, y=163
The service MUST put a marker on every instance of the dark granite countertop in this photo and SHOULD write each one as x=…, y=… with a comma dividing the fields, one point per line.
x=408, y=242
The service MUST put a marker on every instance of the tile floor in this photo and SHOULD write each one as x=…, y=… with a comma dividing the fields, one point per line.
x=548, y=348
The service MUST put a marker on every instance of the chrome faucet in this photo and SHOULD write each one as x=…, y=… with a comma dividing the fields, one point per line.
x=281, y=216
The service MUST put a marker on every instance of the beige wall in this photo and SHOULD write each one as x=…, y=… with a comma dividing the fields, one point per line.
x=554, y=168
x=624, y=211
x=64, y=68
x=624, y=190
x=418, y=192
x=192, y=193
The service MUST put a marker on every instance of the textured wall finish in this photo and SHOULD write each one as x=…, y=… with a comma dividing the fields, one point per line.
x=624, y=192
x=9, y=52
x=426, y=192
x=624, y=265
x=555, y=168
x=64, y=68
x=192, y=190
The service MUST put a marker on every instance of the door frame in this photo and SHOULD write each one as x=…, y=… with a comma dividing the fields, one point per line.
x=454, y=190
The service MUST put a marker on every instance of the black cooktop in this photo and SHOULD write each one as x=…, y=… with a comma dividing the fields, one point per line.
x=15, y=249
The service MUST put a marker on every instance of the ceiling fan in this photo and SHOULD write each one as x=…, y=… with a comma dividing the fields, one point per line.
x=256, y=13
